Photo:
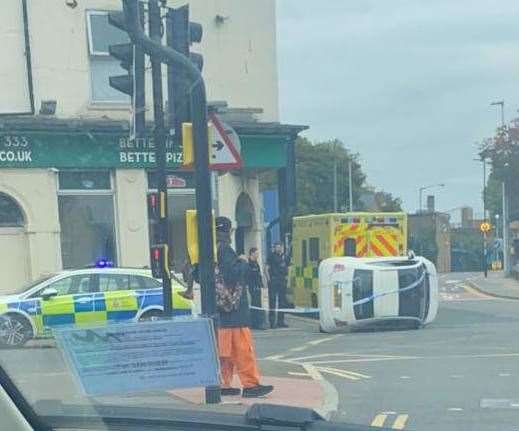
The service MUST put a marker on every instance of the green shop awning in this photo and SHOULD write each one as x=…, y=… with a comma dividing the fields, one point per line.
x=32, y=143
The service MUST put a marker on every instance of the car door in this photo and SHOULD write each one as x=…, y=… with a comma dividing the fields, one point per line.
x=117, y=297
x=73, y=303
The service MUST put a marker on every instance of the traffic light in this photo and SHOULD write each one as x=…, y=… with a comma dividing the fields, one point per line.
x=159, y=255
x=181, y=34
x=132, y=83
x=153, y=206
x=188, y=150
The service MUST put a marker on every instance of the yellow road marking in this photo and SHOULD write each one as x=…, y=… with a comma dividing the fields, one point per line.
x=400, y=421
x=475, y=292
x=379, y=421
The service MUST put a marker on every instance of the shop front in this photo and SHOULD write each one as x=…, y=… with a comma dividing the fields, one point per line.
x=75, y=192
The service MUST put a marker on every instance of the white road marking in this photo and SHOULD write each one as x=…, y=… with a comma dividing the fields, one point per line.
x=322, y=340
x=313, y=372
x=504, y=374
x=405, y=377
x=331, y=396
x=298, y=349
x=400, y=421
x=343, y=373
x=338, y=373
x=294, y=373
x=379, y=421
x=274, y=357
x=457, y=376
x=452, y=282
x=356, y=355
x=455, y=409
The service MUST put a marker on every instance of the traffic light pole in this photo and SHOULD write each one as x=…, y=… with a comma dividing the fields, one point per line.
x=159, y=136
x=203, y=179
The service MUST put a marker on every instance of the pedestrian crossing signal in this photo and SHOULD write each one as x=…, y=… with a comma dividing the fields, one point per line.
x=159, y=261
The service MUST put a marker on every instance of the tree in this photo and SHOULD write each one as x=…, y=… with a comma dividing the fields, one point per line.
x=314, y=180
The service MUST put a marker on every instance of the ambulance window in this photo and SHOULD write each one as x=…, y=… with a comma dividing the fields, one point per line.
x=304, y=260
x=314, y=249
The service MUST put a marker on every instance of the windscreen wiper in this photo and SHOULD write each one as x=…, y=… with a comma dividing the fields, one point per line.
x=258, y=417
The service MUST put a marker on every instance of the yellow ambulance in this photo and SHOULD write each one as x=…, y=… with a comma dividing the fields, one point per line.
x=318, y=237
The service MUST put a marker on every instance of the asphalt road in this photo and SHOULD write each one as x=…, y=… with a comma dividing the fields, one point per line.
x=459, y=373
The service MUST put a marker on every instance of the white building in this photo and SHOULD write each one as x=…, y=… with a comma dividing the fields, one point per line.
x=67, y=194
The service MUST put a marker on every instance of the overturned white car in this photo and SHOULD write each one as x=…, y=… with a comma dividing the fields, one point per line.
x=358, y=291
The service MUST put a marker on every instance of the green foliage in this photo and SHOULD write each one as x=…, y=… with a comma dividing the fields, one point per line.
x=314, y=170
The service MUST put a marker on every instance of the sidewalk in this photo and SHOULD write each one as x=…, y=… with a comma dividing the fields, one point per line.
x=288, y=391
x=496, y=285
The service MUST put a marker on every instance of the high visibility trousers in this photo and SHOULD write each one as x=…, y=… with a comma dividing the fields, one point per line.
x=236, y=351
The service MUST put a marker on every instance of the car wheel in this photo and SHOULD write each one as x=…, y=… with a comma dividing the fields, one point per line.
x=15, y=331
x=151, y=316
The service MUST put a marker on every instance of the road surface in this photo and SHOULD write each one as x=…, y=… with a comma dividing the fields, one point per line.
x=460, y=373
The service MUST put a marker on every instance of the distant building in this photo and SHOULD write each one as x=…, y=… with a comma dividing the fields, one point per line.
x=429, y=236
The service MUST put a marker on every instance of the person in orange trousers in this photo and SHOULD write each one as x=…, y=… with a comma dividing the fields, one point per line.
x=235, y=344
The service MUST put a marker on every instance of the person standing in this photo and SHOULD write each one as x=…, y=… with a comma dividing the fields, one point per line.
x=255, y=284
x=235, y=343
x=277, y=285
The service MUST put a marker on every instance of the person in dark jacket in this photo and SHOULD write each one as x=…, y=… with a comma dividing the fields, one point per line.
x=277, y=271
x=235, y=344
x=255, y=284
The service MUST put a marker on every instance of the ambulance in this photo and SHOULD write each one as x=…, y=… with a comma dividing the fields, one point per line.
x=356, y=234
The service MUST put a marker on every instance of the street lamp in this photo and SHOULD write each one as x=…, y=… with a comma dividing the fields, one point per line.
x=422, y=189
x=504, y=221
x=501, y=104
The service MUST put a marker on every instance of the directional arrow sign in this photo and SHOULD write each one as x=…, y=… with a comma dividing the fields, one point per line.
x=225, y=146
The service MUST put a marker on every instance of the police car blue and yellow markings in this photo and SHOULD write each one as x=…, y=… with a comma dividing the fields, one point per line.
x=92, y=308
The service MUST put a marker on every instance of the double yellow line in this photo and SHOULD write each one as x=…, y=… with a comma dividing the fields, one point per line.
x=398, y=424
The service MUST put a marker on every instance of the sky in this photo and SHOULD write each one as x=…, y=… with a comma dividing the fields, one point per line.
x=405, y=83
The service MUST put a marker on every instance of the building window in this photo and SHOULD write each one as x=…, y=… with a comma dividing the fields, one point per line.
x=10, y=212
x=86, y=212
x=100, y=35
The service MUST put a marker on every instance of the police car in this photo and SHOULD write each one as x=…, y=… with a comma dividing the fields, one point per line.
x=83, y=297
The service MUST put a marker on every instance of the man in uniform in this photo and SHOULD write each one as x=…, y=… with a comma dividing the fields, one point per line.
x=255, y=284
x=235, y=344
x=277, y=277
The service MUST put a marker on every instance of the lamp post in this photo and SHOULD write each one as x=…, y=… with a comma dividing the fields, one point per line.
x=504, y=220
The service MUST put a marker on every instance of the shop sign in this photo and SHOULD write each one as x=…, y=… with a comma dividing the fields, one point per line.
x=60, y=150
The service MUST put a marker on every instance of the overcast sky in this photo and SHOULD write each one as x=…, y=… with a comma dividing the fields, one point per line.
x=406, y=83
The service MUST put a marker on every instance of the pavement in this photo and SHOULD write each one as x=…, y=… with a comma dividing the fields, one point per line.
x=496, y=285
x=460, y=373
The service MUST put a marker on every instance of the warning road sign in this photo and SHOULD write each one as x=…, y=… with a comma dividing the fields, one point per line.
x=225, y=146
x=485, y=227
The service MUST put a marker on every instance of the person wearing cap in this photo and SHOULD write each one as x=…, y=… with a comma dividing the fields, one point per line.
x=277, y=272
x=235, y=343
